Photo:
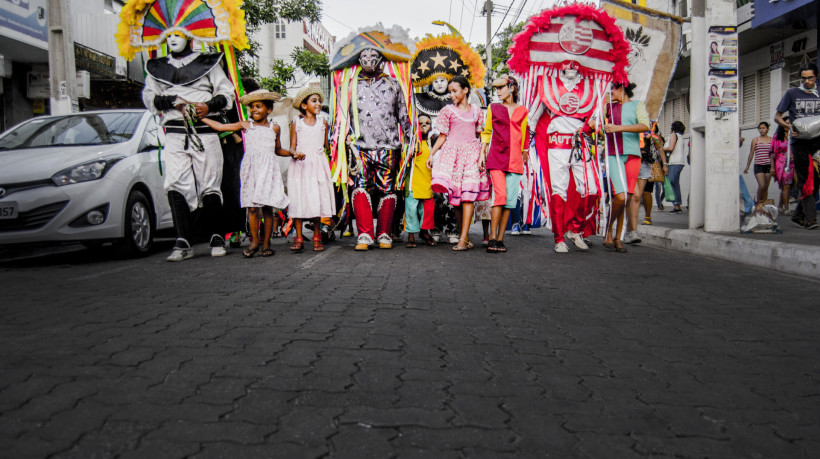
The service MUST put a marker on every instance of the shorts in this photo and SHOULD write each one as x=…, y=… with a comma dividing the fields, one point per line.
x=628, y=167
x=646, y=171
x=505, y=188
x=763, y=169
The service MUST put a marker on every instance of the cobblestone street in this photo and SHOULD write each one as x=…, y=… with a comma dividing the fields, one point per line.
x=408, y=353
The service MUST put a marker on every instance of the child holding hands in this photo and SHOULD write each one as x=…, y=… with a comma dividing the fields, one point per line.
x=261, y=190
x=309, y=182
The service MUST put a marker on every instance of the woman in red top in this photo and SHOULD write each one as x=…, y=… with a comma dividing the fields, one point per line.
x=506, y=142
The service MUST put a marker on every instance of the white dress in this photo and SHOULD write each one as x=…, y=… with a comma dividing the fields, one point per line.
x=309, y=184
x=261, y=180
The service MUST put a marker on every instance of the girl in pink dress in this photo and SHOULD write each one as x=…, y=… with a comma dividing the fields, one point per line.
x=309, y=185
x=783, y=169
x=456, y=169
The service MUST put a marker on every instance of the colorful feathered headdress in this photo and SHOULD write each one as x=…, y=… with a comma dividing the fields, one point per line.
x=144, y=24
x=394, y=44
x=446, y=55
x=579, y=33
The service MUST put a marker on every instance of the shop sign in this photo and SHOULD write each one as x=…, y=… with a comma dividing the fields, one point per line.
x=95, y=62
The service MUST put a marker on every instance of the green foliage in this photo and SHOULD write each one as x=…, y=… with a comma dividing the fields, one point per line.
x=310, y=62
x=282, y=74
x=504, y=40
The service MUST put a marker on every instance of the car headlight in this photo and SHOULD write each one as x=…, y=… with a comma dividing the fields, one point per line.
x=86, y=172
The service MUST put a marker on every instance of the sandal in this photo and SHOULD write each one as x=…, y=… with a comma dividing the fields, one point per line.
x=428, y=239
x=619, y=247
x=250, y=251
x=491, y=246
x=317, y=243
x=267, y=253
x=298, y=244
x=411, y=245
x=647, y=221
x=461, y=248
x=609, y=245
x=499, y=247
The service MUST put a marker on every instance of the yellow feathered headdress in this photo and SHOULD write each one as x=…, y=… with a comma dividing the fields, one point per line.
x=446, y=55
x=144, y=24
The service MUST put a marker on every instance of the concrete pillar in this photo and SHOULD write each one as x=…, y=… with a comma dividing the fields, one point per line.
x=61, y=58
x=697, y=113
x=722, y=194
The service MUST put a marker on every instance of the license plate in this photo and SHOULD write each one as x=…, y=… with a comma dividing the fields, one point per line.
x=8, y=210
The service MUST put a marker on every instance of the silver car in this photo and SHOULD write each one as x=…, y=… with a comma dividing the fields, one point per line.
x=89, y=177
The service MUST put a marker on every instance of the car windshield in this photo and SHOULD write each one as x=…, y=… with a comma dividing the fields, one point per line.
x=79, y=129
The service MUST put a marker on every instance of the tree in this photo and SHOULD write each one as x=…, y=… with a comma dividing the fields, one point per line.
x=500, y=56
x=310, y=62
x=282, y=73
x=260, y=12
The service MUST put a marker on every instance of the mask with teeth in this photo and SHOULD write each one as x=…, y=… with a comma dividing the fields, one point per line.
x=370, y=59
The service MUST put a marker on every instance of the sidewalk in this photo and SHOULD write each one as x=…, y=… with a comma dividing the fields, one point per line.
x=795, y=251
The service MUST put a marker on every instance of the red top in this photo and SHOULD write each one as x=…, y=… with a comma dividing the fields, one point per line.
x=508, y=137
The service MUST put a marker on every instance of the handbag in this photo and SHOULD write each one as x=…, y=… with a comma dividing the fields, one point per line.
x=657, y=172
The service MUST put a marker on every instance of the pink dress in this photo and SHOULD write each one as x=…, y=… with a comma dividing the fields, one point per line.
x=783, y=173
x=259, y=175
x=455, y=169
x=309, y=185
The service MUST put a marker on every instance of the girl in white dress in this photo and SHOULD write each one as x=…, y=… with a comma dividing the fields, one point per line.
x=309, y=183
x=261, y=190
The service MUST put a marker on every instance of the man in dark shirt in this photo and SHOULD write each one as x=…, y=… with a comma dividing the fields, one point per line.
x=802, y=102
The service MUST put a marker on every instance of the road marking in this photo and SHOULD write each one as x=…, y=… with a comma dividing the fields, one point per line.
x=313, y=260
x=103, y=273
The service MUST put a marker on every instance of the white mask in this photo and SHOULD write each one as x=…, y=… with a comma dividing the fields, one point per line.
x=440, y=85
x=176, y=43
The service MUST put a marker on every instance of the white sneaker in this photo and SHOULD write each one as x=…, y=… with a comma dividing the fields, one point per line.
x=631, y=237
x=436, y=235
x=217, y=246
x=577, y=240
x=452, y=238
x=182, y=251
x=561, y=247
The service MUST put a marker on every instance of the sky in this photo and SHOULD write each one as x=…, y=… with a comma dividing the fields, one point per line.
x=341, y=17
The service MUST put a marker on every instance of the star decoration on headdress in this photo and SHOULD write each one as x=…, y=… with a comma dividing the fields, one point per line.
x=438, y=59
x=414, y=76
x=423, y=66
x=465, y=73
x=454, y=65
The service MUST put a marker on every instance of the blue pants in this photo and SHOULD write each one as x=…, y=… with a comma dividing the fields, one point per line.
x=674, y=180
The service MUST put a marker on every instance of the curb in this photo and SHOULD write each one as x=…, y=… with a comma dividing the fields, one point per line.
x=802, y=260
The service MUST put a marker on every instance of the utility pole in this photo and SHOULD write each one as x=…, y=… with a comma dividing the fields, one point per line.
x=488, y=10
x=61, y=68
x=697, y=103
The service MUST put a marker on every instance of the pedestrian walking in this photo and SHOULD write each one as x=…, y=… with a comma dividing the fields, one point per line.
x=261, y=189
x=419, y=205
x=309, y=182
x=504, y=153
x=759, y=152
x=783, y=166
x=456, y=172
x=677, y=159
x=802, y=102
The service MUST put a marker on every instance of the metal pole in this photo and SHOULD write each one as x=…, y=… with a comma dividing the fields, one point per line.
x=488, y=9
x=61, y=68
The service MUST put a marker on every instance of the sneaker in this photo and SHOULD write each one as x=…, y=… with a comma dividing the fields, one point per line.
x=631, y=237
x=561, y=247
x=526, y=230
x=217, y=245
x=364, y=242
x=182, y=251
x=385, y=241
x=811, y=225
x=577, y=240
x=453, y=238
x=516, y=230
x=798, y=222
x=587, y=242
x=436, y=235
x=347, y=234
x=675, y=211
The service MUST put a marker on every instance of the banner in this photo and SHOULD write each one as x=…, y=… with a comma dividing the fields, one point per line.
x=656, y=43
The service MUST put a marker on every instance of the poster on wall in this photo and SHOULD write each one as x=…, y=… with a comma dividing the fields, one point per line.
x=25, y=21
x=722, y=82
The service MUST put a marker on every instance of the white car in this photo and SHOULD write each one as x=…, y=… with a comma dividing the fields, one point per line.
x=90, y=177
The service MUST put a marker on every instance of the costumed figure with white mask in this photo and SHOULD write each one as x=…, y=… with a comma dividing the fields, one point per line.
x=373, y=125
x=437, y=60
x=568, y=56
x=181, y=88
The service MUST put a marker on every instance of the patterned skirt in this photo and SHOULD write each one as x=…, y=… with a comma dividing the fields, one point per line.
x=456, y=173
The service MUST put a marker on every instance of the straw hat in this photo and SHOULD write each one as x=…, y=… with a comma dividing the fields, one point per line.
x=259, y=94
x=304, y=93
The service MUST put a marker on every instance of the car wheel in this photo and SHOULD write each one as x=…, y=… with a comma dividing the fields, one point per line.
x=138, y=226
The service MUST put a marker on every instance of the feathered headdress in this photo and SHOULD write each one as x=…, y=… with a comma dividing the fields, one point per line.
x=144, y=24
x=446, y=55
x=394, y=44
x=579, y=33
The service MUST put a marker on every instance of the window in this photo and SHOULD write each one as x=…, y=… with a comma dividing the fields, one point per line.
x=676, y=109
x=755, y=105
x=279, y=29
x=793, y=64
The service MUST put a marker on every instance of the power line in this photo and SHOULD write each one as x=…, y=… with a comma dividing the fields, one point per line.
x=502, y=21
x=475, y=7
